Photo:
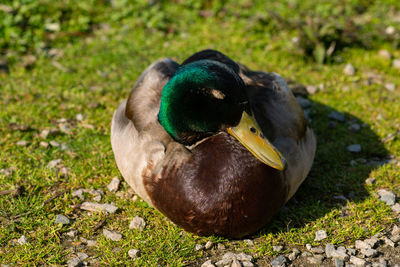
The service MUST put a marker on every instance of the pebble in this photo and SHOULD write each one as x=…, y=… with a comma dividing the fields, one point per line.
x=277, y=248
x=113, y=185
x=91, y=243
x=220, y=246
x=340, y=253
x=137, y=223
x=362, y=245
x=304, y=102
x=395, y=230
x=244, y=257
x=208, y=245
x=388, y=242
x=90, y=206
x=62, y=219
x=65, y=128
x=22, y=143
x=44, y=144
x=279, y=261
x=311, y=89
x=235, y=263
x=247, y=264
x=396, y=63
x=208, y=264
x=396, y=208
x=387, y=196
x=317, y=250
x=390, y=86
x=113, y=235
x=354, y=127
x=198, y=247
x=335, y=115
x=306, y=254
x=357, y=261
x=316, y=259
x=249, y=242
x=78, y=193
x=292, y=256
x=339, y=262
x=133, y=253
x=308, y=246
x=54, y=163
x=22, y=240
x=351, y=251
x=44, y=133
x=74, y=262
x=384, y=54
x=320, y=235
x=369, y=252
x=372, y=242
x=370, y=181
x=71, y=233
x=82, y=256
x=349, y=70
x=54, y=143
x=355, y=148
x=79, y=117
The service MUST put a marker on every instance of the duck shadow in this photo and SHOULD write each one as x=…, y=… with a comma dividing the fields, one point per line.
x=338, y=175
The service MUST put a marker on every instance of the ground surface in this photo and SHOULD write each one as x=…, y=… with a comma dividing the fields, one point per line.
x=73, y=91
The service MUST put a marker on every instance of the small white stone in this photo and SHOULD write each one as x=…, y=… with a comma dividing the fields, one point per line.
x=387, y=196
x=396, y=63
x=78, y=193
x=388, y=242
x=311, y=89
x=247, y=264
x=92, y=243
x=357, y=261
x=208, y=264
x=355, y=148
x=82, y=256
x=320, y=235
x=370, y=181
x=236, y=263
x=113, y=185
x=354, y=127
x=62, y=219
x=208, y=245
x=44, y=133
x=65, y=128
x=384, y=54
x=112, y=235
x=198, y=247
x=74, y=262
x=22, y=143
x=54, y=143
x=137, y=223
x=71, y=233
x=277, y=248
x=90, y=206
x=44, y=144
x=362, y=245
x=79, y=117
x=133, y=253
x=22, y=240
x=390, y=86
x=349, y=70
x=390, y=30
x=54, y=163
x=243, y=257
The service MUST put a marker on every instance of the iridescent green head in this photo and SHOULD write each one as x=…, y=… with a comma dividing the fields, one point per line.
x=201, y=99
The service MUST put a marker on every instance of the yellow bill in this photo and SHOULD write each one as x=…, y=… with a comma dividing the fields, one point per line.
x=250, y=136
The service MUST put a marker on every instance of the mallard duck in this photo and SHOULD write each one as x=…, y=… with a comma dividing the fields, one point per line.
x=214, y=146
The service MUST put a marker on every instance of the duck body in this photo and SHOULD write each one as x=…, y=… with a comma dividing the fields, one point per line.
x=214, y=185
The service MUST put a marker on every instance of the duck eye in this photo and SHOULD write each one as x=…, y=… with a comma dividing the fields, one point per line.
x=253, y=130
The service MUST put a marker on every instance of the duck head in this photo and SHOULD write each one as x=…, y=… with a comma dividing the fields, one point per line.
x=206, y=97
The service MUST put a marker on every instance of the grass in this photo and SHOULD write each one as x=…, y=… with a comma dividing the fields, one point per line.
x=96, y=73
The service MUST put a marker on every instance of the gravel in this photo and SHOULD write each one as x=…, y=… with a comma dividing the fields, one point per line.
x=357, y=261
x=370, y=181
x=52, y=164
x=208, y=245
x=54, y=143
x=387, y=196
x=137, y=223
x=133, y=253
x=354, y=148
x=74, y=262
x=207, y=264
x=62, y=219
x=113, y=185
x=312, y=89
x=339, y=262
x=277, y=248
x=22, y=143
x=349, y=70
x=112, y=235
x=198, y=247
x=320, y=235
x=396, y=63
x=22, y=240
x=316, y=259
x=396, y=208
x=279, y=261
x=96, y=207
x=335, y=115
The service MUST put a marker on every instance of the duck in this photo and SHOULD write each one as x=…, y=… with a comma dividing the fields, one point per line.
x=214, y=146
